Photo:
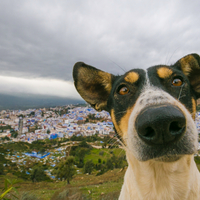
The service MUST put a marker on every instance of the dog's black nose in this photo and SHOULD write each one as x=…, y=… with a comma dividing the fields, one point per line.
x=160, y=124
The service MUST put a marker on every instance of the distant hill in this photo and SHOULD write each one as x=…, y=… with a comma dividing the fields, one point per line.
x=25, y=101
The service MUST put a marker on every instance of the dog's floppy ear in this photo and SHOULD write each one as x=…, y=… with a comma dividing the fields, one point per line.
x=93, y=85
x=190, y=65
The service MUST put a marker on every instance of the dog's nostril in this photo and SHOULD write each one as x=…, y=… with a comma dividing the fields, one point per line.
x=149, y=132
x=175, y=127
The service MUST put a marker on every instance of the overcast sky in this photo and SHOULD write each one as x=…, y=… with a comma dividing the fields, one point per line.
x=41, y=40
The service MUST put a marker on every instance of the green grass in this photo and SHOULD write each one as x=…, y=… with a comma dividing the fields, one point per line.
x=94, y=154
x=109, y=182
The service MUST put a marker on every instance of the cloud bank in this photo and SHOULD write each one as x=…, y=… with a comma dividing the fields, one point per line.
x=43, y=39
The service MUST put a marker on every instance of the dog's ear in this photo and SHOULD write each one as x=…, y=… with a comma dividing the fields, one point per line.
x=190, y=65
x=93, y=85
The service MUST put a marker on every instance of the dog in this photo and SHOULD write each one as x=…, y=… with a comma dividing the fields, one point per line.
x=153, y=112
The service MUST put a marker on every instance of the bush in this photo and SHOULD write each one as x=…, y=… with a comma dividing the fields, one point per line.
x=88, y=167
x=22, y=175
x=65, y=169
x=110, y=164
x=84, y=144
x=103, y=170
x=115, y=162
x=38, y=174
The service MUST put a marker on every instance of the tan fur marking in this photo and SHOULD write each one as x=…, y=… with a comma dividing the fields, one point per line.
x=132, y=77
x=115, y=123
x=164, y=72
x=122, y=128
x=124, y=122
x=194, y=110
x=186, y=64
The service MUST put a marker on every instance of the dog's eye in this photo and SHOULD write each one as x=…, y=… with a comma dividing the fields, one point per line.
x=123, y=90
x=177, y=82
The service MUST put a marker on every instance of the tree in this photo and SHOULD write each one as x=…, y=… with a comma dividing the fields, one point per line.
x=14, y=134
x=48, y=131
x=38, y=174
x=66, y=170
x=110, y=164
x=115, y=162
x=42, y=150
x=32, y=113
x=88, y=167
x=5, y=138
x=84, y=144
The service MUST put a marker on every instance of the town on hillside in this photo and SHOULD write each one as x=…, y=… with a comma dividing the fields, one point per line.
x=59, y=122
x=47, y=136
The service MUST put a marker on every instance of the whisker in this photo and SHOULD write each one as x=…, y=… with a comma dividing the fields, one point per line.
x=123, y=145
x=166, y=58
x=124, y=70
x=120, y=152
x=172, y=55
x=114, y=143
x=121, y=112
x=180, y=92
x=111, y=138
x=182, y=96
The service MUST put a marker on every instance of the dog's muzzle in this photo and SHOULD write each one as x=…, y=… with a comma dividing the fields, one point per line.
x=160, y=124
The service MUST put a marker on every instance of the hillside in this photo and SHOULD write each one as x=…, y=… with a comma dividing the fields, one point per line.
x=103, y=182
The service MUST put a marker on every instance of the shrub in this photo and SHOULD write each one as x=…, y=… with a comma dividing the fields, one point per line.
x=65, y=169
x=102, y=171
x=38, y=174
x=88, y=167
x=110, y=164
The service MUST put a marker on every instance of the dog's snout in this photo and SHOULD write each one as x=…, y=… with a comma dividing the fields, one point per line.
x=160, y=124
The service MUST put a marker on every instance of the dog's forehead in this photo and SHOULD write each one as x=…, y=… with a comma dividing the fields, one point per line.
x=163, y=71
x=158, y=71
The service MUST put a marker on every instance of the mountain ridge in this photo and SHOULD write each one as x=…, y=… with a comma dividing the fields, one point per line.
x=25, y=101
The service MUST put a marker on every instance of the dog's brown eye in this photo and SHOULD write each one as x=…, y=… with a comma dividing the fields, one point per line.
x=177, y=82
x=124, y=90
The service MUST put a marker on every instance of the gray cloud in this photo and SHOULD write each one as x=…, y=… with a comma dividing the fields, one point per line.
x=45, y=38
